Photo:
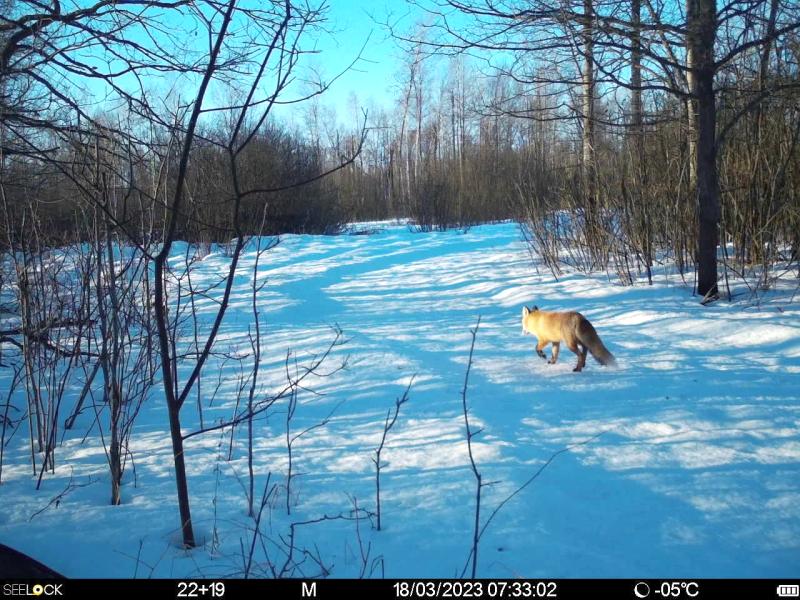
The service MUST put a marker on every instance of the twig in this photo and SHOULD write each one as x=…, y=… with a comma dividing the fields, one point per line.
x=264, y=500
x=387, y=426
x=530, y=480
x=470, y=435
x=57, y=499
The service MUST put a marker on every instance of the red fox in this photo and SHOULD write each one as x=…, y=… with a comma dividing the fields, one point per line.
x=572, y=327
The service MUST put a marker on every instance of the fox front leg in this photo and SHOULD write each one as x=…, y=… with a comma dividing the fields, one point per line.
x=540, y=348
x=554, y=358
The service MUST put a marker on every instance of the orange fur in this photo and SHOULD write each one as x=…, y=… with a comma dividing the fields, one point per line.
x=572, y=328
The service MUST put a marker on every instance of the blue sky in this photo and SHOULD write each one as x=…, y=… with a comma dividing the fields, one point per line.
x=354, y=23
x=350, y=25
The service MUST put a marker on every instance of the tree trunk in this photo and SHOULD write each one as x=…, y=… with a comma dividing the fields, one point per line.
x=111, y=362
x=691, y=113
x=588, y=104
x=638, y=159
x=636, y=78
x=115, y=449
x=173, y=405
x=702, y=29
x=180, y=475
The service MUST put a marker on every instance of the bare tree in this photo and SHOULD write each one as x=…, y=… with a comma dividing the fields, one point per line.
x=47, y=65
x=653, y=50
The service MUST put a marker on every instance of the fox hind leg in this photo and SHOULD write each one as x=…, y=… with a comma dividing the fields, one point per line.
x=580, y=351
x=581, y=358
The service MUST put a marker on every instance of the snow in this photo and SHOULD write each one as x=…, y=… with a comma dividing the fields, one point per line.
x=682, y=462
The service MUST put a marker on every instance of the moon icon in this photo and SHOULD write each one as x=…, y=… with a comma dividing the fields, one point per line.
x=641, y=589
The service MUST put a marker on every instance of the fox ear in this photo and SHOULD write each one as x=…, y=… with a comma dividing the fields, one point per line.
x=535, y=308
x=525, y=311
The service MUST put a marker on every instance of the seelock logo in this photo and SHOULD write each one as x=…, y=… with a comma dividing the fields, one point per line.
x=32, y=589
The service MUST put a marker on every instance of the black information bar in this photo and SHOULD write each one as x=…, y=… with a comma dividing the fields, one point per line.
x=397, y=589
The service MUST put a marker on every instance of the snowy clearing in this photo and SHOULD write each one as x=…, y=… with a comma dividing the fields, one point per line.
x=685, y=461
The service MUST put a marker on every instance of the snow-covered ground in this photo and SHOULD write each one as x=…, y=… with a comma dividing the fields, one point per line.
x=683, y=462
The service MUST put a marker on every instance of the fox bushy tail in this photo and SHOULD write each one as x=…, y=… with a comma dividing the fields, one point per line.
x=589, y=338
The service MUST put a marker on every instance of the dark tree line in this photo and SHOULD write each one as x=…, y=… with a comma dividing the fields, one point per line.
x=651, y=96
x=659, y=127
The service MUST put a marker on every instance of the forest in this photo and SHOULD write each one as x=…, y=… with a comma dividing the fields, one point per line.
x=138, y=137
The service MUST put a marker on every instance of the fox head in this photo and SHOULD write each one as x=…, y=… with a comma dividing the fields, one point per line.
x=525, y=313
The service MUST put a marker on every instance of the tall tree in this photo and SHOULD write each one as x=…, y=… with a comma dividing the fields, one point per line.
x=51, y=61
x=672, y=51
x=701, y=25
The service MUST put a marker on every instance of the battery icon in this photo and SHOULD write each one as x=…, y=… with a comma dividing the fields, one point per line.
x=789, y=591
